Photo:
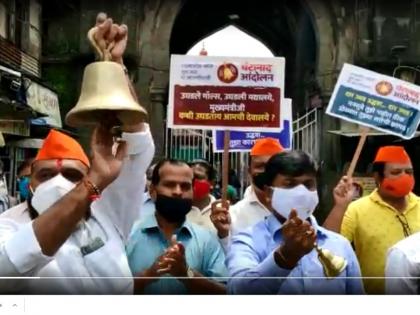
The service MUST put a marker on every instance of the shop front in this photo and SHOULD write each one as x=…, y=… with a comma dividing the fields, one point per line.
x=28, y=110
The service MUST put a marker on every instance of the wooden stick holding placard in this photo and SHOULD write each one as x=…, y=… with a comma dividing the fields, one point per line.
x=225, y=168
x=362, y=140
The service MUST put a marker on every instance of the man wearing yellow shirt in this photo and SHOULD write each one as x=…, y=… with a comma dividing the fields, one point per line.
x=376, y=222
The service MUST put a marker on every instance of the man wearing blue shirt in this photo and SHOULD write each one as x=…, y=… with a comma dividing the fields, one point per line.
x=168, y=255
x=148, y=206
x=277, y=255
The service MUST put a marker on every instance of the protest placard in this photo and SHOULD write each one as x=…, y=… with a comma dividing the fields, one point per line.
x=241, y=141
x=377, y=101
x=225, y=93
x=367, y=185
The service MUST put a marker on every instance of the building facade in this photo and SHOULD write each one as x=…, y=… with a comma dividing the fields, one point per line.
x=316, y=37
x=28, y=105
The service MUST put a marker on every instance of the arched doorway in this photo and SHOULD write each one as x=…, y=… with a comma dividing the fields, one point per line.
x=287, y=29
x=282, y=29
x=231, y=41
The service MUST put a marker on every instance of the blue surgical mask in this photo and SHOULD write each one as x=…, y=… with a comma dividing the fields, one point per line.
x=23, y=185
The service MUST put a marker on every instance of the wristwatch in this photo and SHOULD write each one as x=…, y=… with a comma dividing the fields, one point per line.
x=190, y=272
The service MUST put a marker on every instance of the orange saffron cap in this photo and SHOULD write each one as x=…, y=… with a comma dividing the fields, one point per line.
x=392, y=154
x=59, y=146
x=266, y=146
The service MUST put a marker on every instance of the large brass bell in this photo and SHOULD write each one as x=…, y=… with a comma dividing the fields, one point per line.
x=333, y=265
x=105, y=90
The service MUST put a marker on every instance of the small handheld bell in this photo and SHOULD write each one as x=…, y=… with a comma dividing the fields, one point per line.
x=333, y=265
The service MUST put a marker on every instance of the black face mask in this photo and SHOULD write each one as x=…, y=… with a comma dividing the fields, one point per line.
x=173, y=209
x=259, y=180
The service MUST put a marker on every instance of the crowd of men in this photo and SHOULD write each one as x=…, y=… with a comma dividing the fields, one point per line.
x=115, y=224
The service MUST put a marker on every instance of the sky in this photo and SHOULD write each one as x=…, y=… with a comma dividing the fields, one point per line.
x=231, y=41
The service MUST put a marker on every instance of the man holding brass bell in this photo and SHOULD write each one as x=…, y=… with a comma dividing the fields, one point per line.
x=287, y=252
x=79, y=212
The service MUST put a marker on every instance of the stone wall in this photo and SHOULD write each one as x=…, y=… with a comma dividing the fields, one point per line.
x=151, y=23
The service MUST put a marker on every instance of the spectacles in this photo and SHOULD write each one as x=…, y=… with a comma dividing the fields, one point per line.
x=405, y=226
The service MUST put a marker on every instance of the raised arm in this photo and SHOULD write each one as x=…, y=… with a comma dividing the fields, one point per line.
x=27, y=248
x=120, y=201
x=343, y=194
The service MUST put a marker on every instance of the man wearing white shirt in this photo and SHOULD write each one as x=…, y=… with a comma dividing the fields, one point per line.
x=403, y=267
x=78, y=218
x=252, y=208
x=202, y=198
x=79, y=214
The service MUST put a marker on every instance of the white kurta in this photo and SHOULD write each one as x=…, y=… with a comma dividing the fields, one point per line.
x=202, y=216
x=403, y=267
x=103, y=271
x=243, y=214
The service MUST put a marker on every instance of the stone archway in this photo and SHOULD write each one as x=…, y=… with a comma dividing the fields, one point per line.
x=284, y=27
x=302, y=31
x=230, y=41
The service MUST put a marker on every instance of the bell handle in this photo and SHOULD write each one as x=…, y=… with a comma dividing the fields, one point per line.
x=108, y=56
x=104, y=55
x=91, y=38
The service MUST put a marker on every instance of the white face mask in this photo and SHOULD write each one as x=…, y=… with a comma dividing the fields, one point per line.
x=49, y=192
x=300, y=198
x=3, y=186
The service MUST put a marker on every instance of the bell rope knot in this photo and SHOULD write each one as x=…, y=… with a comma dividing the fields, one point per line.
x=103, y=54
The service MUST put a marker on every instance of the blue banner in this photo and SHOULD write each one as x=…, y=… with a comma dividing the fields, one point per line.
x=377, y=112
x=244, y=141
x=375, y=100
